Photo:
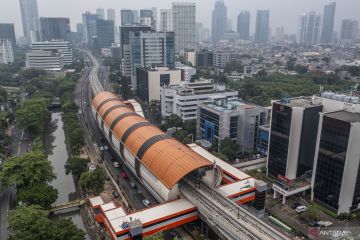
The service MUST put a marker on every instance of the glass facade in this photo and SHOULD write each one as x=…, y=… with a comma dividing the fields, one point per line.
x=54, y=28
x=331, y=161
x=105, y=33
x=207, y=117
x=279, y=144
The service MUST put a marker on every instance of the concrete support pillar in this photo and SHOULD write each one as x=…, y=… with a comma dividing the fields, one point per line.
x=275, y=194
x=283, y=199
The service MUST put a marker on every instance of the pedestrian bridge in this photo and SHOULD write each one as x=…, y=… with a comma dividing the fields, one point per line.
x=67, y=205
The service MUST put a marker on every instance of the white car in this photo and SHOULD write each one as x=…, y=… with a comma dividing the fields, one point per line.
x=116, y=164
x=324, y=223
x=300, y=209
x=146, y=202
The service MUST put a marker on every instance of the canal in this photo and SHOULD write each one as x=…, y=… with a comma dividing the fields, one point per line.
x=58, y=156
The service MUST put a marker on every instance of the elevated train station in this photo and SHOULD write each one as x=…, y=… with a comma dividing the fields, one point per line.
x=176, y=175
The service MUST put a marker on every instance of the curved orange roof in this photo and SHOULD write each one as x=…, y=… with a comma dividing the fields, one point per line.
x=168, y=159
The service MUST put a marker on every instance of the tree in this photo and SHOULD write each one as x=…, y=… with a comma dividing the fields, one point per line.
x=76, y=166
x=93, y=181
x=40, y=194
x=228, y=148
x=32, y=223
x=33, y=115
x=27, y=170
x=3, y=94
x=234, y=66
x=182, y=136
x=173, y=121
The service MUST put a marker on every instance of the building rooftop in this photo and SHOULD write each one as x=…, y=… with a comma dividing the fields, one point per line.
x=304, y=102
x=345, y=116
x=228, y=105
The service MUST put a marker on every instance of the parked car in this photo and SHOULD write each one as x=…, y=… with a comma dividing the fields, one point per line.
x=124, y=175
x=133, y=185
x=146, y=202
x=116, y=164
x=116, y=194
x=324, y=223
x=313, y=223
x=300, y=209
x=295, y=205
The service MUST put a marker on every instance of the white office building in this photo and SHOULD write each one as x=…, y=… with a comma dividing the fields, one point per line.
x=150, y=80
x=62, y=47
x=183, y=99
x=50, y=60
x=6, y=51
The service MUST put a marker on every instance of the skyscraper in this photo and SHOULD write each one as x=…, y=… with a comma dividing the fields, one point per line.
x=53, y=28
x=89, y=27
x=127, y=17
x=243, y=25
x=262, y=26
x=101, y=13
x=328, y=23
x=111, y=15
x=104, y=33
x=349, y=29
x=166, y=20
x=279, y=37
x=309, y=24
x=7, y=31
x=29, y=11
x=219, y=21
x=147, y=18
x=155, y=18
x=184, y=22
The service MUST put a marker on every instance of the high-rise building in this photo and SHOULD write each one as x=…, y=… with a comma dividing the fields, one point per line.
x=349, y=29
x=219, y=21
x=328, y=23
x=64, y=48
x=136, y=16
x=309, y=28
x=262, y=26
x=336, y=173
x=279, y=37
x=293, y=130
x=151, y=49
x=6, y=51
x=101, y=13
x=166, y=20
x=29, y=11
x=126, y=63
x=127, y=17
x=155, y=18
x=243, y=25
x=111, y=15
x=53, y=28
x=104, y=34
x=7, y=31
x=184, y=25
x=89, y=28
x=147, y=18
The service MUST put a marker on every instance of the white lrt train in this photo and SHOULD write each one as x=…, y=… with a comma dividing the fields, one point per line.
x=157, y=160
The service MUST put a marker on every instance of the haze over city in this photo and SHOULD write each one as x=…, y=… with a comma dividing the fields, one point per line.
x=282, y=12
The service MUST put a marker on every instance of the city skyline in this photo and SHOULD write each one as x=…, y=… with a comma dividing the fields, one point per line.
x=11, y=12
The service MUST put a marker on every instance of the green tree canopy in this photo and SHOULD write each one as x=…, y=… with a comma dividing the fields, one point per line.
x=93, y=181
x=32, y=223
x=76, y=166
x=228, y=148
x=27, y=170
x=40, y=194
x=33, y=115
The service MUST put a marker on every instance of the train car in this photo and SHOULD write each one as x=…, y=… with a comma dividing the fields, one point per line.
x=155, y=158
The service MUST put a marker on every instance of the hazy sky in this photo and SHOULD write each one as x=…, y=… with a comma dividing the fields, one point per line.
x=282, y=12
